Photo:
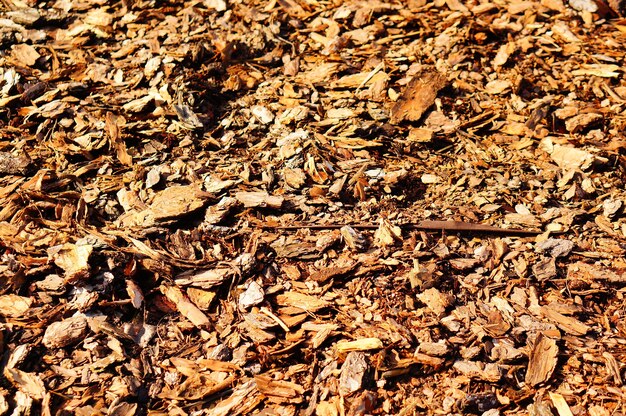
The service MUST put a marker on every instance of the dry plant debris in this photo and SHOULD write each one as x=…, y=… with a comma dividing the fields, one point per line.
x=294, y=207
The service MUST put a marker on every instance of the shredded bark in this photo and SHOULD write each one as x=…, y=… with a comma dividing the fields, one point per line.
x=298, y=207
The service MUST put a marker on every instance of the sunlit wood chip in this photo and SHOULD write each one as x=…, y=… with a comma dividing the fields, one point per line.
x=542, y=360
x=66, y=332
x=300, y=300
x=353, y=373
x=418, y=95
x=184, y=306
x=363, y=344
x=560, y=404
x=73, y=259
x=14, y=305
x=259, y=199
x=29, y=383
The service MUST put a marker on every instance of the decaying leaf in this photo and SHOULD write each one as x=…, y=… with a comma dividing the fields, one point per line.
x=135, y=293
x=113, y=127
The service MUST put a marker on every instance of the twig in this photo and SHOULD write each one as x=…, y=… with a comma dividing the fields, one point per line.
x=426, y=225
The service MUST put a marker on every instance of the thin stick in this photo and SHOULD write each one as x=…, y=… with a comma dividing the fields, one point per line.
x=427, y=225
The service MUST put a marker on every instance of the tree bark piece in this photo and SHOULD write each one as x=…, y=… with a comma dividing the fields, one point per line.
x=417, y=97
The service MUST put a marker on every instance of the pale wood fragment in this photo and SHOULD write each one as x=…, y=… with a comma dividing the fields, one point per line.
x=363, y=344
x=560, y=404
x=568, y=324
x=542, y=360
x=184, y=306
x=300, y=300
x=66, y=332
x=353, y=373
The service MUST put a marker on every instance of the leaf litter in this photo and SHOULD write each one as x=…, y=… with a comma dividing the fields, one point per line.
x=315, y=208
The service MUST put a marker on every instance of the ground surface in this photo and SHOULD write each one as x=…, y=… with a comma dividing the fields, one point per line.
x=153, y=155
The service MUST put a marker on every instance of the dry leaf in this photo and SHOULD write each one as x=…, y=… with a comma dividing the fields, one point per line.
x=135, y=293
x=113, y=126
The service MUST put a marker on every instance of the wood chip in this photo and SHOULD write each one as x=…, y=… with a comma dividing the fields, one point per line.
x=417, y=96
x=568, y=324
x=184, y=306
x=304, y=207
x=542, y=360
x=353, y=373
x=363, y=344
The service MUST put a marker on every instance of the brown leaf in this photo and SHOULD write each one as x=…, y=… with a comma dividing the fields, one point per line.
x=135, y=293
